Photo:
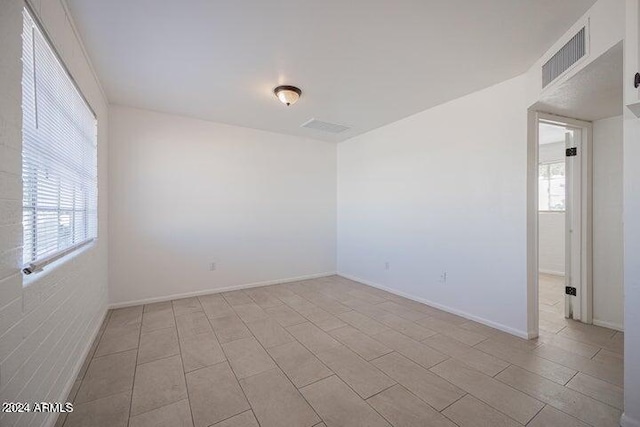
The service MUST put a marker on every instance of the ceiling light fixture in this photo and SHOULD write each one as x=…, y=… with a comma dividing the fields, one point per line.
x=287, y=94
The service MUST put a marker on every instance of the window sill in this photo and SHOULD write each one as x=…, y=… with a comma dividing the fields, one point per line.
x=51, y=267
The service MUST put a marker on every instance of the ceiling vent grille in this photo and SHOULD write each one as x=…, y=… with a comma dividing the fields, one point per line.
x=568, y=55
x=324, y=126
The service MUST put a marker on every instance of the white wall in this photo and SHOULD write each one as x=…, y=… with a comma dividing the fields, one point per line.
x=608, y=298
x=402, y=198
x=185, y=193
x=631, y=270
x=551, y=235
x=631, y=230
x=46, y=324
x=443, y=190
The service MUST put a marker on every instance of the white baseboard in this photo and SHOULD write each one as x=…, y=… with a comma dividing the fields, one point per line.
x=551, y=272
x=609, y=325
x=53, y=417
x=626, y=421
x=490, y=323
x=218, y=290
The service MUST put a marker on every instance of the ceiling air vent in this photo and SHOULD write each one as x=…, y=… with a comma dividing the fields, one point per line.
x=568, y=55
x=324, y=126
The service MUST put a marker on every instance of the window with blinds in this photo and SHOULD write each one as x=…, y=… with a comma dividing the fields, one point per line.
x=59, y=154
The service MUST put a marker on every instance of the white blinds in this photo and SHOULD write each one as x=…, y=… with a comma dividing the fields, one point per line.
x=59, y=164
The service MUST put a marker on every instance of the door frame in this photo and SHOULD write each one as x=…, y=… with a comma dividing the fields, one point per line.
x=585, y=291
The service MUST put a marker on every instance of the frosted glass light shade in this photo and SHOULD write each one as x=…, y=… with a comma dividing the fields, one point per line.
x=287, y=94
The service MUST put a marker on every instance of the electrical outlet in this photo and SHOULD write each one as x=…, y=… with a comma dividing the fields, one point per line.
x=386, y=265
x=212, y=266
x=443, y=277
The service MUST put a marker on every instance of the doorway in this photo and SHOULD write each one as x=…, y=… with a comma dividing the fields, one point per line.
x=593, y=96
x=563, y=188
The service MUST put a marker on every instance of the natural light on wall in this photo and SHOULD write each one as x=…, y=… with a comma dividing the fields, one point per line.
x=59, y=151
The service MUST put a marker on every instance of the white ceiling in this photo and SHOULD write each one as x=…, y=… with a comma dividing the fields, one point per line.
x=594, y=93
x=361, y=63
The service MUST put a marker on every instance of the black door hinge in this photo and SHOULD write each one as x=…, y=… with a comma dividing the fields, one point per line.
x=570, y=290
x=573, y=151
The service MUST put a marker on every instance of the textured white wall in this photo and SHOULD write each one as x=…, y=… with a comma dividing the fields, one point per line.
x=185, y=193
x=47, y=323
x=443, y=190
x=608, y=292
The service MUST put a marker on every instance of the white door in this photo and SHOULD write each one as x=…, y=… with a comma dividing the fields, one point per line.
x=573, y=228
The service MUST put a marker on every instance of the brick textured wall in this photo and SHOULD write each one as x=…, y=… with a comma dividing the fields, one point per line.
x=47, y=321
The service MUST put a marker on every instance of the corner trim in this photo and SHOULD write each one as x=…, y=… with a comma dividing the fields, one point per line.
x=490, y=323
x=219, y=290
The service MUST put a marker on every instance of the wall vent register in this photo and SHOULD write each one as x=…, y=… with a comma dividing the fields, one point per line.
x=568, y=55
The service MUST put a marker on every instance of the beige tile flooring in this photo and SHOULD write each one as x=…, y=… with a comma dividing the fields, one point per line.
x=333, y=352
x=551, y=302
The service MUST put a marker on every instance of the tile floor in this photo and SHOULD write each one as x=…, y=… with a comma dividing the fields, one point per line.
x=551, y=302
x=333, y=352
